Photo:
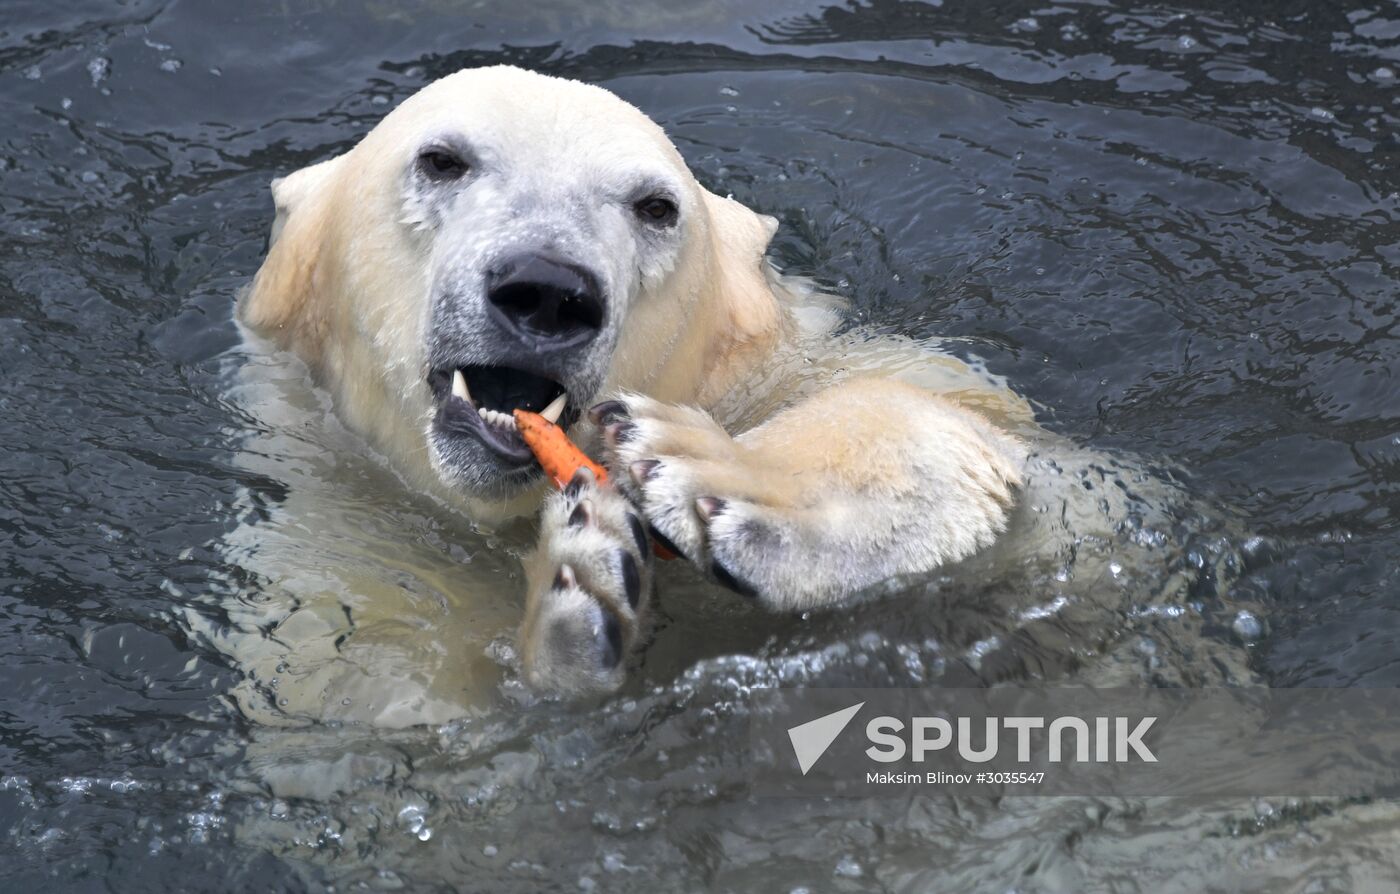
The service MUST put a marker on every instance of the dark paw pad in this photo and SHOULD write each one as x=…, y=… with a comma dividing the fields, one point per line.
x=631, y=578
x=639, y=533
x=743, y=588
x=609, y=640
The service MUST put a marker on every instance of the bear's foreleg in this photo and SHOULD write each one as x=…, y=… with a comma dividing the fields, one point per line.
x=864, y=481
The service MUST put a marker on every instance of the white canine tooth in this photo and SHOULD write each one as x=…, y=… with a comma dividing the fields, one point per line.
x=555, y=408
x=459, y=386
x=482, y=411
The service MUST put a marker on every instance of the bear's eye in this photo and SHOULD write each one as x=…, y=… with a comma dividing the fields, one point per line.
x=438, y=164
x=656, y=210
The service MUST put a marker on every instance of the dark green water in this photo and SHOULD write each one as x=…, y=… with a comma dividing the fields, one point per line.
x=1176, y=229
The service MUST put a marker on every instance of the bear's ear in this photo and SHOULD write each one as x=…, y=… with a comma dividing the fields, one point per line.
x=738, y=239
x=284, y=283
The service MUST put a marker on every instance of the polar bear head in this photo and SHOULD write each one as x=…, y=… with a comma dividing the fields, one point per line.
x=504, y=239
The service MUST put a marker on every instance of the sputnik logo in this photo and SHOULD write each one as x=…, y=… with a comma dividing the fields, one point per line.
x=810, y=740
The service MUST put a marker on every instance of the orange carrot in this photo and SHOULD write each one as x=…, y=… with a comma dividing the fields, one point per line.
x=557, y=455
x=560, y=458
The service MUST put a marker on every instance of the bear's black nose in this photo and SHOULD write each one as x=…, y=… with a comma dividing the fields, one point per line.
x=546, y=301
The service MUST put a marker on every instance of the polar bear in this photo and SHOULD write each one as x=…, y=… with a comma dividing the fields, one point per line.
x=505, y=239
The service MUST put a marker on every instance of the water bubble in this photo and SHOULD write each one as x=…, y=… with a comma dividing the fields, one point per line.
x=1115, y=568
x=489, y=851
x=171, y=65
x=66, y=103
x=1029, y=23
x=32, y=73
x=413, y=819
x=201, y=824
x=1322, y=114
x=607, y=821
x=501, y=650
x=21, y=785
x=613, y=863
x=330, y=835
x=728, y=91
x=99, y=69
x=849, y=868
x=1048, y=610
x=1247, y=627
x=280, y=809
x=980, y=649
x=89, y=177
x=1186, y=42
x=379, y=100
x=1384, y=73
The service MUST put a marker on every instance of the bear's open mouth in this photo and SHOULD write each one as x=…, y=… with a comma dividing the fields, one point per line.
x=480, y=400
